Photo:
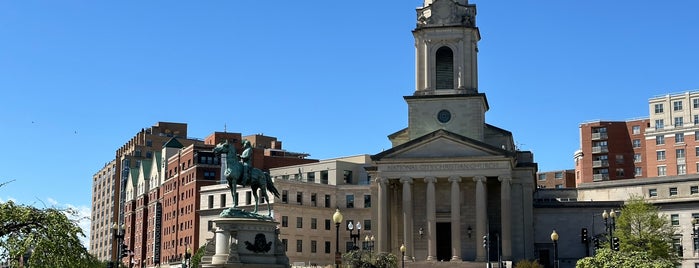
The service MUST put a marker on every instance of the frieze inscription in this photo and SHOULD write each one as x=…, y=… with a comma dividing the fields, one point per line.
x=454, y=166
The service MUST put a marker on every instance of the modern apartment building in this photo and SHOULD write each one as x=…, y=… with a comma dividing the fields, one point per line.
x=611, y=150
x=556, y=179
x=103, y=201
x=310, y=194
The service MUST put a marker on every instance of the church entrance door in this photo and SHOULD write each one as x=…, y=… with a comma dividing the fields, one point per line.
x=444, y=241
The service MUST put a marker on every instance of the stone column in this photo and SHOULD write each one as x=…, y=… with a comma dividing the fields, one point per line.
x=222, y=243
x=455, y=218
x=481, y=216
x=408, y=216
x=382, y=216
x=431, y=219
x=506, y=215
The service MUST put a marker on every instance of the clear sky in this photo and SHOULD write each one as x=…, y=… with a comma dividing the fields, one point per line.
x=79, y=78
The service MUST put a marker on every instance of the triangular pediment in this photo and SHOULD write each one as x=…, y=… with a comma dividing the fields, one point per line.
x=442, y=144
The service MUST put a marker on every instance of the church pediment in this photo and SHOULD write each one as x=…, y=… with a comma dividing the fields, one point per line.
x=441, y=144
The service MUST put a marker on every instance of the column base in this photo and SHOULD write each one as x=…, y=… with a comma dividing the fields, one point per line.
x=455, y=259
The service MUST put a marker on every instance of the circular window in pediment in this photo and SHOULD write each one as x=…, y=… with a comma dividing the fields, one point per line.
x=444, y=116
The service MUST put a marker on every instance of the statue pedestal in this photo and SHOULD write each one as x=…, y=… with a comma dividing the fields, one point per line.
x=245, y=240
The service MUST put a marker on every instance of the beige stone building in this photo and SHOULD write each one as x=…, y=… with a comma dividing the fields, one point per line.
x=310, y=194
x=450, y=178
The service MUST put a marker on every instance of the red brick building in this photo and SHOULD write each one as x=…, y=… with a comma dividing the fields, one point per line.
x=556, y=179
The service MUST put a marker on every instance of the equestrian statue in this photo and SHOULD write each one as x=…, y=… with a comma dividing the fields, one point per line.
x=241, y=172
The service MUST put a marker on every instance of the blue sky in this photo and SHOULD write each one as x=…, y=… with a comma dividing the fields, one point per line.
x=79, y=78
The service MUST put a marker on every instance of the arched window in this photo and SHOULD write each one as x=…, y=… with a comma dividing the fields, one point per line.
x=444, y=68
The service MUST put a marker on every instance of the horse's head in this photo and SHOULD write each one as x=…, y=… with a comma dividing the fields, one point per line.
x=222, y=148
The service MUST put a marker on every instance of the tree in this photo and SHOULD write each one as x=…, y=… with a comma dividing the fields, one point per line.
x=44, y=237
x=607, y=258
x=641, y=228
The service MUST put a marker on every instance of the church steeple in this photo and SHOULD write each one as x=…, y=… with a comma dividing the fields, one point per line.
x=446, y=48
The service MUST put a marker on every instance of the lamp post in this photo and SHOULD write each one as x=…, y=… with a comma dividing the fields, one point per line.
x=554, y=238
x=118, y=232
x=402, y=254
x=353, y=236
x=337, y=219
x=369, y=244
x=609, y=224
x=188, y=256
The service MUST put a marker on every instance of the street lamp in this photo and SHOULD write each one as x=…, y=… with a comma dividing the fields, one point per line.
x=402, y=253
x=337, y=219
x=609, y=223
x=187, y=256
x=369, y=244
x=118, y=232
x=354, y=237
x=554, y=238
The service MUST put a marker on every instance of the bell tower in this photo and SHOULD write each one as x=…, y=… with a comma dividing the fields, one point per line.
x=446, y=72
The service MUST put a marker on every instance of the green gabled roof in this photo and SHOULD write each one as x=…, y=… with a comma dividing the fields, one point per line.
x=134, y=177
x=147, y=165
x=157, y=158
x=173, y=143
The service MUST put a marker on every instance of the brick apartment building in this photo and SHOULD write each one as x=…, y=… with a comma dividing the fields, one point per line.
x=556, y=179
x=161, y=196
x=664, y=144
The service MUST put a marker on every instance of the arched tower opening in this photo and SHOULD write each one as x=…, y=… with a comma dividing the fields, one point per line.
x=444, y=68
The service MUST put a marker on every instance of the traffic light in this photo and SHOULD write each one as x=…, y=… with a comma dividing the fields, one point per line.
x=124, y=251
x=615, y=243
x=595, y=241
x=583, y=236
x=485, y=241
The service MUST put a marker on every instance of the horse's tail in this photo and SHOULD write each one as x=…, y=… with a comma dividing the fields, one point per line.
x=270, y=185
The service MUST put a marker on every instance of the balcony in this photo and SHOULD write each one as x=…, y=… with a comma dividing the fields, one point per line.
x=599, y=149
x=600, y=177
x=599, y=136
x=600, y=163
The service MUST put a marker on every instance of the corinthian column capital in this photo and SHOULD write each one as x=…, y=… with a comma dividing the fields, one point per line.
x=430, y=179
x=406, y=179
x=456, y=179
x=505, y=179
x=479, y=179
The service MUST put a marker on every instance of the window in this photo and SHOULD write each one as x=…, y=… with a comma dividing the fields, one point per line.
x=327, y=200
x=349, y=246
x=681, y=169
x=285, y=242
x=679, y=137
x=693, y=189
x=350, y=201
x=314, y=245
x=659, y=124
x=619, y=172
x=211, y=201
x=347, y=176
x=659, y=140
x=658, y=108
x=327, y=246
x=314, y=223
x=652, y=192
x=314, y=199
x=637, y=158
x=675, y=219
x=299, y=222
x=679, y=153
x=285, y=196
x=660, y=155
x=636, y=129
x=679, y=122
x=367, y=225
x=299, y=198
x=677, y=246
x=696, y=151
x=619, y=159
x=696, y=119
x=299, y=245
x=248, y=197
x=223, y=200
x=695, y=103
x=559, y=186
x=542, y=176
x=636, y=143
x=324, y=176
x=677, y=105
x=311, y=176
x=638, y=171
x=673, y=191
x=327, y=224
x=285, y=221
x=662, y=171
x=558, y=175
x=367, y=201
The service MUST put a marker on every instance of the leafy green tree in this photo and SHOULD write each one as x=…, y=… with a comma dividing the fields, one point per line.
x=48, y=237
x=641, y=228
x=196, y=259
x=607, y=258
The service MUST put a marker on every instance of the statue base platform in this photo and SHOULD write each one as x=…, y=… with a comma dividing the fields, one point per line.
x=246, y=240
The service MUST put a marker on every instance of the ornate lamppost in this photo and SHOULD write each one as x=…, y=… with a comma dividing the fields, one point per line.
x=554, y=238
x=610, y=225
x=188, y=256
x=337, y=219
x=369, y=244
x=118, y=232
x=354, y=237
x=402, y=254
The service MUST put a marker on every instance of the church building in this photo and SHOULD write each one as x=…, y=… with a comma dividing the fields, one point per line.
x=451, y=180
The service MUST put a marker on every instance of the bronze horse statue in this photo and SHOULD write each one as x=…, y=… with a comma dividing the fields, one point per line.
x=234, y=175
